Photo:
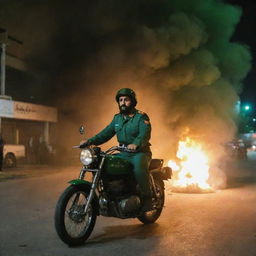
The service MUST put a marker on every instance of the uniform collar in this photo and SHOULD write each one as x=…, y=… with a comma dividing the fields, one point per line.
x=127, y=117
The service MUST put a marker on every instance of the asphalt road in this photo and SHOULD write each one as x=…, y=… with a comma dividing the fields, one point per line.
x=214, y=224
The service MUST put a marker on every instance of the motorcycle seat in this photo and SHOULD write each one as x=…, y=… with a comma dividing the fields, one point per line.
x=155, y=164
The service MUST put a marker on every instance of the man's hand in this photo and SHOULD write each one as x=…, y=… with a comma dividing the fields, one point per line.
x=132, y=147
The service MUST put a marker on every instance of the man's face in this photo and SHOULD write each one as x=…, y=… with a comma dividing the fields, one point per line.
x=125, y=100
x=125, y=104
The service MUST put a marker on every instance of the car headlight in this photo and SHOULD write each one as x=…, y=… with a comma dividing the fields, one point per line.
x=87, y=156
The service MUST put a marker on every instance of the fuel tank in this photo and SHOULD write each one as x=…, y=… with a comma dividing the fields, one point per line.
x=115, y=165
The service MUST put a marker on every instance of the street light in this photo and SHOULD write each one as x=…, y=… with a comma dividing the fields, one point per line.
x=247, y=124
x=247, y=107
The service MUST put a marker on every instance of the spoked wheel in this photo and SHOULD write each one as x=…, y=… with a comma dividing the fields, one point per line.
x=72, y=225
x=158, y=203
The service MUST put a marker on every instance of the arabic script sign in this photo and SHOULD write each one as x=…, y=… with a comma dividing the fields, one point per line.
x=28, y=111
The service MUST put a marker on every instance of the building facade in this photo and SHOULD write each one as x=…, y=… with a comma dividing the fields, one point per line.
x=20, y=121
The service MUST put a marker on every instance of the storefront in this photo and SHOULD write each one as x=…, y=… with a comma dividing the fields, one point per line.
x=20, y=121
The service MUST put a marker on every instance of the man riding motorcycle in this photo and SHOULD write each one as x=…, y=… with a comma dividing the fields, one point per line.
x=133, y=129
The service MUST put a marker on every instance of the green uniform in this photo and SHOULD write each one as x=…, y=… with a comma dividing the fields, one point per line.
x=132, y=129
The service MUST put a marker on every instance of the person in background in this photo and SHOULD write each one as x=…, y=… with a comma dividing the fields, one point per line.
x=1, y=152
x=30, y=151
x=43, y=153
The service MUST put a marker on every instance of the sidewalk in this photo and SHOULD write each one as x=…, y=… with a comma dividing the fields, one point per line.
x=28, y=171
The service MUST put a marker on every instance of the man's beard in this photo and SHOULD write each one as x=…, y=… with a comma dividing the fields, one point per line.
x=125, y=109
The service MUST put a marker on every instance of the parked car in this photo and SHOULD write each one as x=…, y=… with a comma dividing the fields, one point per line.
x=237, y=149
x=12, y=153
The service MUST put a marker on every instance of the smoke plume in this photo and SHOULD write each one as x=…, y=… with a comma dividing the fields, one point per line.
x=176, y=54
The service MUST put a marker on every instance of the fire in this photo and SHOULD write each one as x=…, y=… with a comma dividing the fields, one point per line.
x=192, y=171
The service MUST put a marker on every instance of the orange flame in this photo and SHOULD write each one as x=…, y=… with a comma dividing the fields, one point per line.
x=193, y=168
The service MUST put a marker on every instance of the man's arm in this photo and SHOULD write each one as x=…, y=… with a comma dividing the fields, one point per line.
x=106, y=134
x=144, y=132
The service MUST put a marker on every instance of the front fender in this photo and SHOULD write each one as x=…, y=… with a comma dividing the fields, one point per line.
x=78, y=182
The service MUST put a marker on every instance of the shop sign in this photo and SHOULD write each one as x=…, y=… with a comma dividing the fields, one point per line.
x=23, y=110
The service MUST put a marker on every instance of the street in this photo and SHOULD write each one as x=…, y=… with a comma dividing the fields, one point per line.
x=220, y=223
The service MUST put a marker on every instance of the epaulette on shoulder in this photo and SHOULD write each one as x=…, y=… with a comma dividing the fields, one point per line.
x=141, y=112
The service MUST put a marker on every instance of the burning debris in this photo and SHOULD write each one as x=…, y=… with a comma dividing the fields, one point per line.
x=191, y=173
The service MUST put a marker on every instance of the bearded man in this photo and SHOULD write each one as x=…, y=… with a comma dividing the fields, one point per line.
x=133, y=130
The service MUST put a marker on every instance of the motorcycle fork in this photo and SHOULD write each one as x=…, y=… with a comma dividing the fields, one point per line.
x=153, y=185
x=94, y=185
x=82, y=173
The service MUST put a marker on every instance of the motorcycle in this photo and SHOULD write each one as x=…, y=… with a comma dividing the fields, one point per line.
x=113, y=192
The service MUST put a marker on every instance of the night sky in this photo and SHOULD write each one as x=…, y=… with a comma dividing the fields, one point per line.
x=245, y=33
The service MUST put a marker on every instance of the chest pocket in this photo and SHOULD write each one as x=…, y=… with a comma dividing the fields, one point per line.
x=133, y=129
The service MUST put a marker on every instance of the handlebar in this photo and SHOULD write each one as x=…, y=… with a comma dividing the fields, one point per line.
x=121, y=149
x=116, y=148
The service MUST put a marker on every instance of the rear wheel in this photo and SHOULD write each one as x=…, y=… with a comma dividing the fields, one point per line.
x=158, y=203
x=10, y=160
x=72, y=225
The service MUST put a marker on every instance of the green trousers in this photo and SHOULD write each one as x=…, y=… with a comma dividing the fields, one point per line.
x=140, y=162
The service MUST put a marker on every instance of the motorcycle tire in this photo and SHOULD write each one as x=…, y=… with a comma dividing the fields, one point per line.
x=151, y=216
x=68, y=218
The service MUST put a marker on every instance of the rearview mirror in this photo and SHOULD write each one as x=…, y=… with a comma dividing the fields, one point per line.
x=81, y=129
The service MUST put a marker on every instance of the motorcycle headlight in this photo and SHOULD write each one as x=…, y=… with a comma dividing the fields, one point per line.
x=87, y=156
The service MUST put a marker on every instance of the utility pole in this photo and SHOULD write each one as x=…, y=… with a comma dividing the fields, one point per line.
x=3, y=58
x=4, y=37
x=3, y=41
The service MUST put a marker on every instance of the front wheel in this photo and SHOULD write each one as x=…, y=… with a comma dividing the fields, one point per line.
x=72, y=225
x=158, y=202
